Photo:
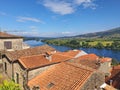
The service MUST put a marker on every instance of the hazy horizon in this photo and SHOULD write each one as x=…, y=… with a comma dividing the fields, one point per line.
x=58, y=18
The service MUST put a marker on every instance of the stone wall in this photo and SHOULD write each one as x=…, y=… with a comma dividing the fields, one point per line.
x=18, y=70
x=8, y=67
x=105, y=68
x=31, y=74
x=1, y=66
x=35, y=72
x=94, y=82
x=16, y=44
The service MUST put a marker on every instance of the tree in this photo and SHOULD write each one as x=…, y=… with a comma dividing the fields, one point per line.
x=115, y=62
x=115, y=45
x=9, y=85
x=85, y=44
x=99, y=45
x=74, y=42
x=108, y=46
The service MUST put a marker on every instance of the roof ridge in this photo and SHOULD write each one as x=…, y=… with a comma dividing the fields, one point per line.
x=4, y=34
x=31, y=56
x=64, y=55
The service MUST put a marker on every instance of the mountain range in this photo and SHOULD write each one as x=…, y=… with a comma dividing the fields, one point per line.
x=112, y=33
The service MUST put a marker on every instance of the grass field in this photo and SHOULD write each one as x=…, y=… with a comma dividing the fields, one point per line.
x=103, y=42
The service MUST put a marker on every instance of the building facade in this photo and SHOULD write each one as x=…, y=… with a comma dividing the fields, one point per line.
x=10, y=42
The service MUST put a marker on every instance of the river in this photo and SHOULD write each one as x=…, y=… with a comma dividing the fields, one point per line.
x=101, y=52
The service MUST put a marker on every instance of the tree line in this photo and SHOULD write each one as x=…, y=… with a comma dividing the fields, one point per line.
x=77, y=43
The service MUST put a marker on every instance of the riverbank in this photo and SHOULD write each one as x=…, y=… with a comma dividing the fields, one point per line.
x=86, y=43
x=115, y=54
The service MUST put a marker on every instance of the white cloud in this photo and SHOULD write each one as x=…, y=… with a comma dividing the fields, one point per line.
x=91, y=5
x=3, y=14
x=25, y=33
x=58, y=34
x=33, y=27
x=86, y=3
x=24, y=19
x=82, y=1
x=64, y=7
x=60, y=7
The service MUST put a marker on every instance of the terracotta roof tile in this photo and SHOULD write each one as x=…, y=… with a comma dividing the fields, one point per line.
x=6, y=35
x=15, y=55
x=41, y=60
x=71, y=53
x=91, y=57
x=115, y=77
x=116, y=67
x=105, y=59
x=89, y=60
x=62, y=76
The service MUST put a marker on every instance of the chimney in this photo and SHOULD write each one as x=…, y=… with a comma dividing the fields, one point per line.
x=48, y=56
x=98, y=62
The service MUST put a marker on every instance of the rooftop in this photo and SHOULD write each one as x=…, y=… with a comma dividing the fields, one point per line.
x=91, y=60
x=35, y=61
x=71, y=53
x=62, y=76
x=91, y=57
x=106, y=59
x=4, y=35
x=15, y=55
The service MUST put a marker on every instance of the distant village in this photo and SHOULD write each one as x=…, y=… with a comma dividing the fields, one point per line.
x=45, y=68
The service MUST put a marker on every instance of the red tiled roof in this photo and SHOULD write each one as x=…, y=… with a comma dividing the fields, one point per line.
x=115, y=77
x=62, y=76
x=71, y=53
x=6, y=35
x=105, y=59
x=40, y=60
x=89, y=60
x=91, y=57
x=15, y=55
x=116, y=67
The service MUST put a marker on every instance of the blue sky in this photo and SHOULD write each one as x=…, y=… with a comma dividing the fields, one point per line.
x=54, y=18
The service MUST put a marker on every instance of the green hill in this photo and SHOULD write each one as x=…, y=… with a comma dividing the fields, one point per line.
x=113, y=33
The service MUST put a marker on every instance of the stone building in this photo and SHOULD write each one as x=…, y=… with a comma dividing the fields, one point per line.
x=67, y=76
x=31, y=66
x=24, y=65
x=10, y=59
x=10, y=42
x=95, y=62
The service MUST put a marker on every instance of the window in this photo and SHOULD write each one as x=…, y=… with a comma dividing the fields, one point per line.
x=50, y=85
x=17, y=78
x=37, y=87
x=8, y=45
